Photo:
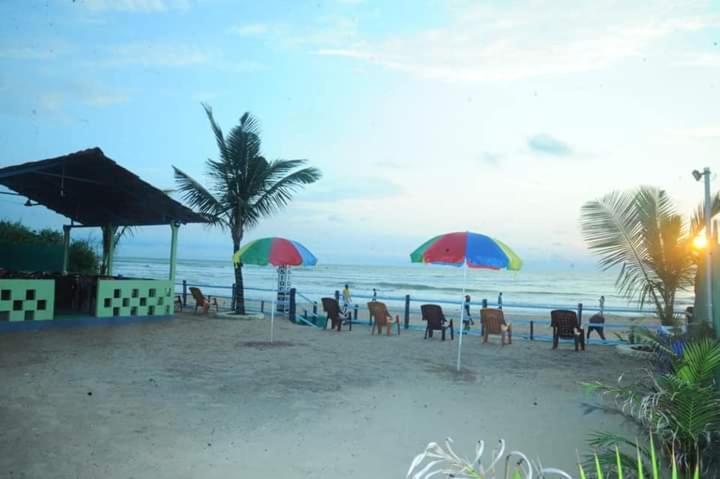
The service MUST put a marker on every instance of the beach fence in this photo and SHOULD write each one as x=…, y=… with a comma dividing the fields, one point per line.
x=531, y=321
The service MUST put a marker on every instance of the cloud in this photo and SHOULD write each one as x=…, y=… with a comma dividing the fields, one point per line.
x=388, y=164
x=25, y=53
x=249, y=30
x=325, y=30
x=706, y=60
x=505, y=44
x=359, y=188
x=489, y=158
x=30, y=96
x=695, y=133
x=162, y=55
x=49, y=50
x=172, y=55
x=102, y=99
x=134, y=6
x=547, y=145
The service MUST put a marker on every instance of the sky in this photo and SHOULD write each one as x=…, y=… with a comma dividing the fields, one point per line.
x=424, y=116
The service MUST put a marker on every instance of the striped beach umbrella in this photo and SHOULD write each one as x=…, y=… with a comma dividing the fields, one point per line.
x=278, y=252
x=470, y=250
x=275, y=251
x=464, y=248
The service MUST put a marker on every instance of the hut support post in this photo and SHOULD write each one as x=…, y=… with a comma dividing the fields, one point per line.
x=66, y=248
x=173, y=249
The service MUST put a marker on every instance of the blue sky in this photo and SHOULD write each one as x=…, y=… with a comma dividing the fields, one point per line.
x=424, y=116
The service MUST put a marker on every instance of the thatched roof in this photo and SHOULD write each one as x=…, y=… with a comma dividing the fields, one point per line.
x=93, y=190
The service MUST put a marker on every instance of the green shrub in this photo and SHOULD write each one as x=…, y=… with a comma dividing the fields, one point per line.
x=82, y=255
x=679, y=407
x=83, y=258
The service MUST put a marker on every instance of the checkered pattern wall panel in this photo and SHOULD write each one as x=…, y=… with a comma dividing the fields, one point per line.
x=27, y=299
x=134, y=297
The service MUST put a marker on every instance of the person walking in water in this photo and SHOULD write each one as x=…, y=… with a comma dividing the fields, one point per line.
x=597, y=321
x=347, y=299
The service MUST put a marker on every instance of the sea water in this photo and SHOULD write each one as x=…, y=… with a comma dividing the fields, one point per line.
x=421, y=282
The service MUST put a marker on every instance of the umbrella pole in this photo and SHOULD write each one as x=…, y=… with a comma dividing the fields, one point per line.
x=462, y=316
x=272, y=320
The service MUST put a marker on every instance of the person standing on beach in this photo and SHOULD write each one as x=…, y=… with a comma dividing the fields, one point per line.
x=347, y=299
x=468, y=318
x=597, y=321
x=374, y=296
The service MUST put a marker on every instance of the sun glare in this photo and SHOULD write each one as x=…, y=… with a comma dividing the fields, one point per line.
x=700, y=241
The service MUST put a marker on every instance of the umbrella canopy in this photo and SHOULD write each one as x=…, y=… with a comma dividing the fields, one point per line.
x=275, y=251
x=466, y=249
x=474, y=249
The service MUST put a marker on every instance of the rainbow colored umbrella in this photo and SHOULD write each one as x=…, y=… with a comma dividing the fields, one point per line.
x=275, y=251
x=278, y=252
x=471, y=250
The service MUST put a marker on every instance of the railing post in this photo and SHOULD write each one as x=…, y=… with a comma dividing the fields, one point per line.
x=232, y=300
x=407, y=311
x=355, y=313
x=292, y=306
x=499, y=300
x=579, y=311
x=532, y=330
x=184, y=294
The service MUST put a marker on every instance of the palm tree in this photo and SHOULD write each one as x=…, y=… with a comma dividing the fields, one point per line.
x=640, y=232
x=114, y=234
x=244, y=186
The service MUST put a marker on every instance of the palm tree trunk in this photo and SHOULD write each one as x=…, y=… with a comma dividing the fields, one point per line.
x=239, y=299
x=108, y=234
x=239, y=290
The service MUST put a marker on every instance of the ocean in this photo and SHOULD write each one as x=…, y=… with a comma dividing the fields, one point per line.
x=422, y=282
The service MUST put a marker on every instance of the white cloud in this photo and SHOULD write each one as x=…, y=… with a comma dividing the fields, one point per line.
x=101, y=99
x=171, y=55
x=695, y=133
x=162, y=55
x=25, y=53
x=134, y=6
x=487, y=44
x=36, y=50
x=356, y=188
x=710, y=60
x=58, y=98
x=249, y=30
x=51, y=101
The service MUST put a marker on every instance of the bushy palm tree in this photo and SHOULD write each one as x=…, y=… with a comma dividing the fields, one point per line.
x=244, y=187
x=640, y=232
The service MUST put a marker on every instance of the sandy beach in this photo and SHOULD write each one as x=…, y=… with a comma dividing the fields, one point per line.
x=197, y=397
